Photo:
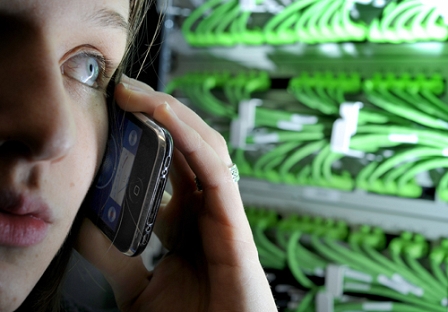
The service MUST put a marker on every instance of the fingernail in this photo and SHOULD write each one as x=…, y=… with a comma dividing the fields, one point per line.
x=169, y=109
x=134, y=85
x=130, y=87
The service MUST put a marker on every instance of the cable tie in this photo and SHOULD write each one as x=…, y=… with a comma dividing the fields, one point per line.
x=289, y=125
x=399, y=287
x=443, y=123
x=304, y=119
x=334, y=279
x=444, y=302
x=377, y=306
x=418, y=291
x=359, y=276
x=404, y=138
x=244, y=124
x=344, y=128
x=266, y=138
x=324, y=302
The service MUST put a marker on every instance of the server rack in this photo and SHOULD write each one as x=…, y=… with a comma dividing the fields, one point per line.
x=364, y=193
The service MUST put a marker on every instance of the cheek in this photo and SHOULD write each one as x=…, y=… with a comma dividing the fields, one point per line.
x=78, y=170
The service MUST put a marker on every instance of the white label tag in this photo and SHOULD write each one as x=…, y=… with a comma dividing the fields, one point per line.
x=321, y=194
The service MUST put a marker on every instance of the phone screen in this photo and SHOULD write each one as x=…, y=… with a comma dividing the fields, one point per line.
x=122, y=182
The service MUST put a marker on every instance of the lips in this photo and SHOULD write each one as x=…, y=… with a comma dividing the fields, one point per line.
x=24, y=219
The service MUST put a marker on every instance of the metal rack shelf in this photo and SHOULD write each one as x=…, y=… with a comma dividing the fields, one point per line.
x=392, y=214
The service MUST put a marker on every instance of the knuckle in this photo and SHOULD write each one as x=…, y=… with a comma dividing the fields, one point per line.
x=194, y=143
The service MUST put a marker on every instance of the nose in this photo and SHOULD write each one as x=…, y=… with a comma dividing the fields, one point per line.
x=36, y=120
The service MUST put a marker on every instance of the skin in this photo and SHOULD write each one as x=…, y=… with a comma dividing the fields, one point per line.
x=57, y=124
x=213, y=263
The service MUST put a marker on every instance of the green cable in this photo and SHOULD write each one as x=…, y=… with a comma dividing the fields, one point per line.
x=315, y=23
x=417, y=23
x=405, y=35
x=362, y=177
x=301, y=26
x=405, y=271
x=413, y=100
x=425, y=276
x=353, y=30
x=192, y=19
x=205, y=27
x=344, y=181
x=268, y=157
x=421, y=104
x=437, y=271
x=390, y=306
x=434, y=100
x=398, y=158
x=442, y=187
x=325, y=29
x=425, y=137
x=405, y=112
x=392, y=186
x=272, y=36
x=384, y=292
x=389, y=18
x=336, y=257
x=303, y=253
x=371, y=142
x=307, y=301
x=293, y=263
x=266, y=249
x=298, y=155
x=425, y=165
x=285, y=34
x=224, y=37
x=267, y=244
x=359, y=258
x=325, y=105
x=434, y=31
x=206, y=102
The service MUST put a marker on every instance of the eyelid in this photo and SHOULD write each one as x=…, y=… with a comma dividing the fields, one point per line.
x=106, y=65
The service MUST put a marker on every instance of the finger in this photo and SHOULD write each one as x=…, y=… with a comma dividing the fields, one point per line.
x=136, y=96
x=202, y=158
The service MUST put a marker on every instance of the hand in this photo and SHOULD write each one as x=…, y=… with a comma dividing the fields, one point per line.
x=212, y=264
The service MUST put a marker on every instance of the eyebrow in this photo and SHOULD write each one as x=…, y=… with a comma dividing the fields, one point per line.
x=109, y=18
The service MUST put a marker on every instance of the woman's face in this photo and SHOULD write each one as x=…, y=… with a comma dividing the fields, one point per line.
x=55, y=56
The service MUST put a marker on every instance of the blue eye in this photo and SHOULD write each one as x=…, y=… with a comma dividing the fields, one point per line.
x=85, y=68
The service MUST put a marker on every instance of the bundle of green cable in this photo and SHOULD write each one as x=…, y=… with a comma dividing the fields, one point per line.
x=314, y=21
x=228, y=22
x=410, y=21
x=306, y=246
x=401, y=127
x=419, y=147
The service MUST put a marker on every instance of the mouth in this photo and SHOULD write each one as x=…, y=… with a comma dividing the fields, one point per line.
x=24, y=219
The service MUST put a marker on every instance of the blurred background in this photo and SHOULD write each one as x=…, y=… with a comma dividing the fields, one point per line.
x=336, y=114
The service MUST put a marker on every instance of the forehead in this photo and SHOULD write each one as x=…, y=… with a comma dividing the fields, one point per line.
x=68, y=23
x=46, y=13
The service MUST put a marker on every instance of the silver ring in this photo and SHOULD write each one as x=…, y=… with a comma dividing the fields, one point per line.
x=233, y=170
x=235, y=173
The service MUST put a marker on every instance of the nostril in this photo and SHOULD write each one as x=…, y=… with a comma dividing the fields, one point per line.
x=14, y=148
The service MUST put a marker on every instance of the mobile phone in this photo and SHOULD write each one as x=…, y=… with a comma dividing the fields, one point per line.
x=125, y=196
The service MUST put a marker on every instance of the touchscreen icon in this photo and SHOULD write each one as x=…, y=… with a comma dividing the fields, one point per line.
x=112, y=214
